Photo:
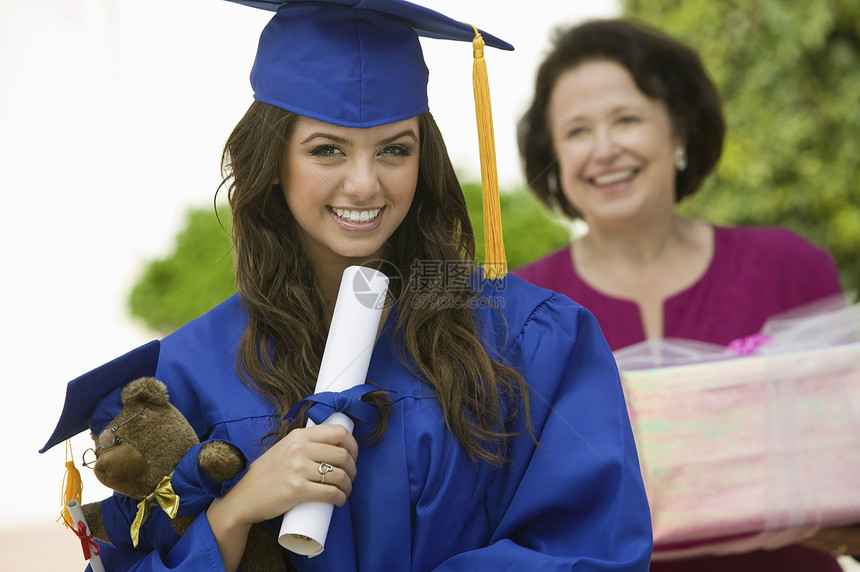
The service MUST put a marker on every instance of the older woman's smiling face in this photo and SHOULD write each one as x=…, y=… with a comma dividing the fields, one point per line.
x=614, y=144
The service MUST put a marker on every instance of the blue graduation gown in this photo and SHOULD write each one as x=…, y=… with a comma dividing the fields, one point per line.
x=574, y=501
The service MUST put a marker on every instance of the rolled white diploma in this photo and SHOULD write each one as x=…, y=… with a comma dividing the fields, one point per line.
x=346, y=357
x=78, y=516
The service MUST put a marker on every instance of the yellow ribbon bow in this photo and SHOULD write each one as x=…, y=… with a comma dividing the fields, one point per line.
x=164, y=496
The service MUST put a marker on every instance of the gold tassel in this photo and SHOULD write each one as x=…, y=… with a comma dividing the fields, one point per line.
x=72, y=487
x=495, y=263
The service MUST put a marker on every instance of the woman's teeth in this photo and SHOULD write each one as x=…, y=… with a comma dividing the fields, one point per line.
x=356, y=216
x=614, y=177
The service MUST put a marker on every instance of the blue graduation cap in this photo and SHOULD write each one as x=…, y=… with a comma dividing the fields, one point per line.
x=353, y=63
x=85, y=393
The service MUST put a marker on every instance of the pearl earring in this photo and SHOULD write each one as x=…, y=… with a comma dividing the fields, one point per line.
x=680, y=157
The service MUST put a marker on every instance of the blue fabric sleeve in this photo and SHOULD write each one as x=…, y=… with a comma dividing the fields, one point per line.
x=195, y=551
x=195, y=488
x=575, y=501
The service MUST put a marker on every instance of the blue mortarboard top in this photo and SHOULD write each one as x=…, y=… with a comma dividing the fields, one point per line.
x=84, y=393
x=352, y=63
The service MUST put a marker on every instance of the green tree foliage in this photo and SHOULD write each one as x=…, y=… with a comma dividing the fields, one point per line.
x=194, y=277
x=528, y=230
x=198, y=273
x=789, y=73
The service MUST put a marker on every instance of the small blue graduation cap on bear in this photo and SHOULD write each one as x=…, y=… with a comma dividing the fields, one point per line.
x=84, y=393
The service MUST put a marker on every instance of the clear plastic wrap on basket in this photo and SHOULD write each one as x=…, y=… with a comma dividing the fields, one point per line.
x=754, y=445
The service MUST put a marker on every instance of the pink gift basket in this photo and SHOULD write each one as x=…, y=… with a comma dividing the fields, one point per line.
x=755, y=445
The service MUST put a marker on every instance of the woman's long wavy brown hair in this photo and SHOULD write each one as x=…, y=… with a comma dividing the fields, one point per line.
x=281, y=349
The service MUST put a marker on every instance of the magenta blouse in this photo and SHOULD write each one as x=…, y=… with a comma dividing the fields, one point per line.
x=754, y=274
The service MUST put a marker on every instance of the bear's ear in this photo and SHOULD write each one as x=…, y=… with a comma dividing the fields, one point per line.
x=145, y=390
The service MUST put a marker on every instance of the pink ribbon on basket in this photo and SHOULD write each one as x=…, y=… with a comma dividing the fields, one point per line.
x=747, y=345
x=88, y=545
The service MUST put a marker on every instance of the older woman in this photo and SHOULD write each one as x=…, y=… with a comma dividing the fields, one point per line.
x=625, y=123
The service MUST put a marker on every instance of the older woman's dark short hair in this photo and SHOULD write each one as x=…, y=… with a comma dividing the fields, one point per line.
x=662, y=67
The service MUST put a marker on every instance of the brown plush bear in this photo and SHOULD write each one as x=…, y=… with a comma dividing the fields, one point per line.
x=142, y=446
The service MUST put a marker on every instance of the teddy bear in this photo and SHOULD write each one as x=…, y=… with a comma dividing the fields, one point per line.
x=146, y=449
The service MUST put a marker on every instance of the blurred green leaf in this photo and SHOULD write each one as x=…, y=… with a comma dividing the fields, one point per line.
x=194, y=277
x=528, y=230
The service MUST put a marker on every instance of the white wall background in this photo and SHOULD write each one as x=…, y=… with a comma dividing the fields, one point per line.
x=112, y=117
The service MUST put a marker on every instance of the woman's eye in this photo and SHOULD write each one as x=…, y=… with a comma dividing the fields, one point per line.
x=576, y=132
x=326, y=151
x=628, y=119
x=398, y=150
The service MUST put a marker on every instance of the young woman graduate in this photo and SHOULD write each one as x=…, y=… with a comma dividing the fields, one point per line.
x=501, y=439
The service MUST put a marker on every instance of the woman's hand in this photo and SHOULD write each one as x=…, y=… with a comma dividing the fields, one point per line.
x=288, y=473
x=837, y=540
x=311, y=464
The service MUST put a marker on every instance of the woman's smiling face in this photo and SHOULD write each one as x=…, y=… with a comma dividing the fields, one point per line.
x=349, y=188
x=614, y=144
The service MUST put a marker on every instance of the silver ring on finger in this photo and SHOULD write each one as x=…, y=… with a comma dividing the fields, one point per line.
x=323, y=469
